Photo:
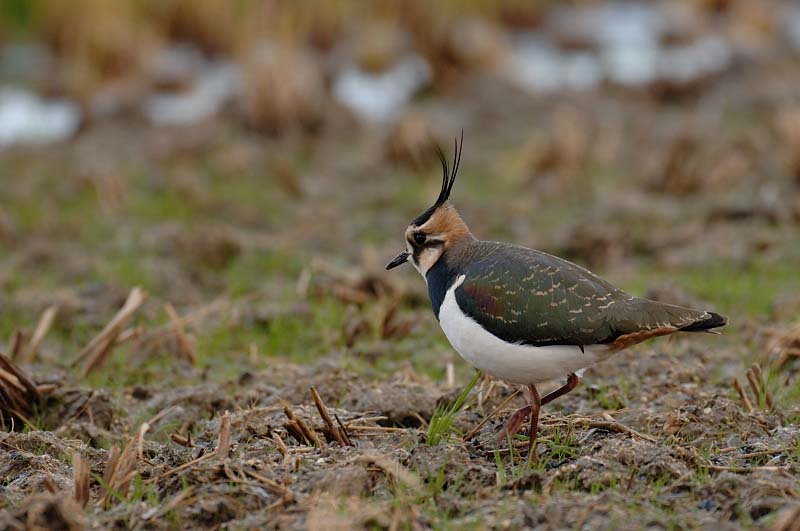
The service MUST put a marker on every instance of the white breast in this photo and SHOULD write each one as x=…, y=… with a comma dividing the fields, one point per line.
x=522, y=364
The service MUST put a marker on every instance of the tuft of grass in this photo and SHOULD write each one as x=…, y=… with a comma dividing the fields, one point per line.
x=442, y=419
x=609, y=397
x=517, y=463
x=563, y=445
x=501, y=470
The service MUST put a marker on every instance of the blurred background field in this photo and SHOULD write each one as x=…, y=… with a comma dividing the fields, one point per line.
x=251, y=165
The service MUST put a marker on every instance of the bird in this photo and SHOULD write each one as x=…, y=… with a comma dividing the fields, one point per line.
x=525, y=316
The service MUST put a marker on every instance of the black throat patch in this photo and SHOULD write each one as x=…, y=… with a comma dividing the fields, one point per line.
x=439, y=277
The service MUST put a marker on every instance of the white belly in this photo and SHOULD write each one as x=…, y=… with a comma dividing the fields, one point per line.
x=522, y=364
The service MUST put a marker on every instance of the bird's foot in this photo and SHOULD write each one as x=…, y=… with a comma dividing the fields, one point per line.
x=514, y=424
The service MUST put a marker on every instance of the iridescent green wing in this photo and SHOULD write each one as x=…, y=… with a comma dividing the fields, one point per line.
x=533, y=298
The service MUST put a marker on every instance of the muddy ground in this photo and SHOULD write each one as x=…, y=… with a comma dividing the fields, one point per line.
x=170, y=296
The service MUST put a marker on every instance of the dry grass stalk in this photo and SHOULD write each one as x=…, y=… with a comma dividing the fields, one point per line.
x=338, y=434
x=224, y=439
x=42, y=327
x=156, y=335
x=185, y=348
x=47, y=388
x=143, y=429
x=450, y=375
x=47, y=483
x=15, y=344
x=300, y=429
x=281, y=445
x=788, y=519
x=80, y=476
x=751, y=379
x=99, y=348
x=18, y=395
x=183, y=441
x=120, y=472
x=343, y=430
x=129, y=334
x=121, y=467
x=742, y=395
x=758, y=386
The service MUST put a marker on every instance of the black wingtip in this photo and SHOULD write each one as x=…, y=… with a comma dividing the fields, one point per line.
x=714, y=320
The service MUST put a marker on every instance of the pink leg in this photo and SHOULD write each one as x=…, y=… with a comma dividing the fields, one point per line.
x=572, y=383
x=514, y=423
x=535, y=403
x=533, y=432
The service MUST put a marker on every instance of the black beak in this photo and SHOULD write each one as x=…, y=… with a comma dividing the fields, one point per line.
x=400, y=259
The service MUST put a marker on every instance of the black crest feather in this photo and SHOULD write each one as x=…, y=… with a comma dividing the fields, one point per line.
x=449, y=177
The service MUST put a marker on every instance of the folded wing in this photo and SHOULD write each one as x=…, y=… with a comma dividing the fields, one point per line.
x=529, y=297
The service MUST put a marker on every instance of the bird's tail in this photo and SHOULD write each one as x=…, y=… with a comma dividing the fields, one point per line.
x=652, y=315
x=706, y=324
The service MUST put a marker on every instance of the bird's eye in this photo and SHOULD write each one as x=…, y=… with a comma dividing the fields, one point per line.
x=419, y=238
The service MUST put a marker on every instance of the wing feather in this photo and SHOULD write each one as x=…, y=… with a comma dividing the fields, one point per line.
x=529, y=297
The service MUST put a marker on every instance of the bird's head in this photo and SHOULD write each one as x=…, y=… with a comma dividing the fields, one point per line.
x=437, y=229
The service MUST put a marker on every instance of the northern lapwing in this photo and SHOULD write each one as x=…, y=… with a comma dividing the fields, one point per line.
x=525, y=316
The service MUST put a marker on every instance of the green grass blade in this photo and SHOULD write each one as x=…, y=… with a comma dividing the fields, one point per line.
x=442, y=419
